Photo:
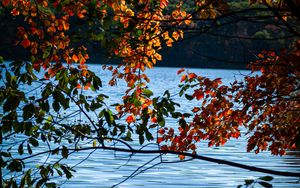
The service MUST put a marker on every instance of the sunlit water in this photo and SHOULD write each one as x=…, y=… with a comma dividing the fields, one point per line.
x=107, y=168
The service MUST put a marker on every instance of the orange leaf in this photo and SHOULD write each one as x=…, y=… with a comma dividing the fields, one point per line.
x=181, y=157
x=78, y=86
x=158, y=56
x=192, y=75
x=66, y=25
x=196, y=109
x=164, y=3
x=183, y=77
x=175, y=35
x=260, y=56
x=75, y=58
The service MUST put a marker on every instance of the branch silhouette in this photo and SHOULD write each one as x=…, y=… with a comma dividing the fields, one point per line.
x=194, y=156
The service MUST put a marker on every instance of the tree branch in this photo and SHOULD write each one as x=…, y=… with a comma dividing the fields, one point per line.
x=194, y=156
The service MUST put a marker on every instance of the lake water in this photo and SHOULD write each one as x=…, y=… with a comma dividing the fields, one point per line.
x=107, y=168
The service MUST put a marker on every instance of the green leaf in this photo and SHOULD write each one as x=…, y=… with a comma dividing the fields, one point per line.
x=249, y=182
x=167, y=94
x=33, y=142
x=28, y=111
x=20, y=149
x=141, y=139
x=29, y=149
x=56, y=106
x=97, y=82
x=108, y=117
x=11, y=103
x=67, y=171
x=95, y=105
x=149, y=135
x=51, y=184
x=60, y=98
x=65, y=152
x=15, y=166
x=47, y=91
x=5, y=154
x=147, y=92
x=265, y=184
x=161, y=121
x=189, y=97
x=266, y=178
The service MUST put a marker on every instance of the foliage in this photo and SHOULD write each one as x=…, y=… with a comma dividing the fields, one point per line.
x=134, y=31
x=262, y=181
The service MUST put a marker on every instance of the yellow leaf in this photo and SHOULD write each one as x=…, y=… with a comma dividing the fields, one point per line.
x=94, y=143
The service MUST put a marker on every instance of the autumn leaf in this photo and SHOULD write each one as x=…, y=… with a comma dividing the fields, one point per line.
x=175, y=35
x=183, y=77
x=75, y=58
x=87, y=86
x=15, y=12
x=6, y=2
x=78, y=86
x=154, y=120
x=25, y=43
x=195, y=109
x=164, y=3
x=161, y=131
x=159, y=140
x=192, y=75
x=180, y=71
x=130, y=119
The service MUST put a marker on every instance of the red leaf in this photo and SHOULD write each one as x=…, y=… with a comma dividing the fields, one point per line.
x=159, y=140
x=6, y=2
x=25, y=43
x=130, y=119
x=180, y=71
x=154, y=120
x=161, y=131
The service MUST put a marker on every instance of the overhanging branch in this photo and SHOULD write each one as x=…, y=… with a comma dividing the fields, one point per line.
x=194, y=156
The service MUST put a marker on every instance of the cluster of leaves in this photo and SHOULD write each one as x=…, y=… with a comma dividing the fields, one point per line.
x=265, y=103
x=41, y=116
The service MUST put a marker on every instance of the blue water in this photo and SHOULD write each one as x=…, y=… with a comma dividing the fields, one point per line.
x=107, y=168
